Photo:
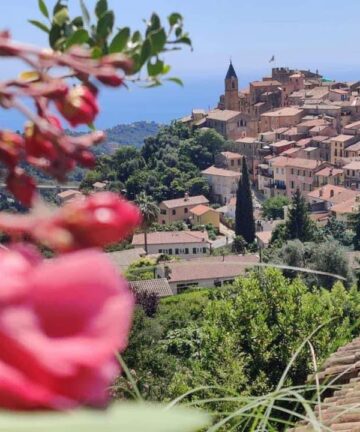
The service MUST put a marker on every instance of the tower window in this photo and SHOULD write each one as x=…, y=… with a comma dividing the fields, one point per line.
x=233, y=84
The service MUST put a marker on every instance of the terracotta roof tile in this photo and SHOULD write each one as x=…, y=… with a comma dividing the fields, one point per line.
x=170, y=237
x=181, y=202
x=160, y=287
x=201, y=209
x=221, y=172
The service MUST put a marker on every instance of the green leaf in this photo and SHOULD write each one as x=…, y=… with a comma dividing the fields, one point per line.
x=101, y=7
x=61, y=16
x=85, y=12
x=40, y=25
x=176, y=81
x=58, y=5
x=145, y=52
x=54, y=35
x=155, y=68
x=124, y=417
x=184, y=40
x=105, y=24
x=43, y=8
x=120, y=40
x=78, y=22
x=136, y=37
x=79, y=37
x=175, y=18
x=96, y=52
x=158, y=41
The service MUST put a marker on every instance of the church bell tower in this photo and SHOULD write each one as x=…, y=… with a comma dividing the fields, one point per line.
x=231, y=89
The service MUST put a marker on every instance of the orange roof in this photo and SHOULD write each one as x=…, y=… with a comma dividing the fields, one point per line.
x=329, y=171
x=283, y=112
x=221, y=172
x=186, y=201
x=265, y=83
x=222, y=115
x=345, y=207
x=334, y=194
x=355, y=125
x=231, y=155
x=283, y=161
x=170, y=237
x=353, y=147
x=342, y=138
x=264, y=236
x=280, y=161
x=353, y=165
x=199, y=210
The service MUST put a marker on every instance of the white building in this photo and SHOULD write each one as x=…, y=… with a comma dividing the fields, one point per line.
x=177, y=243
x=223, y=183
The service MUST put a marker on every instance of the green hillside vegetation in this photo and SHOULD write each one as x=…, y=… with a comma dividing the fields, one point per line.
x=167, y=166
x=239, y=338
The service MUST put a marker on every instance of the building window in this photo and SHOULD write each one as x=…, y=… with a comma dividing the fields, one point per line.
x=353, y=173
x=292, y=170
x=163, y=222
x=176, y=251
x=186, y=251
x=163, y=212
x=335, y=152
x=204, y=250
x=292, y=185
x=186, y=210
x=194, y=251
x=173, y=212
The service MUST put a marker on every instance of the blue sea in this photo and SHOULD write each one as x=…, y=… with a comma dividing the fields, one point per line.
x=165, y=103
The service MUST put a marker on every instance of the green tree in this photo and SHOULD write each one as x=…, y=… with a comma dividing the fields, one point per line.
x=355, y=223
x=239, y=245
x=241, y=337
x=273, y=208
x=244, y=214
x=149, y=211
x=298, y=224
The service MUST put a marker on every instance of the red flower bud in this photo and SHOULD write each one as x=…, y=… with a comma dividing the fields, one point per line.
x=11, y=146
x=101, y=219
x=21, y=186
x=38, y=144
x=79, y=106
x=119, y=61
x=110, y=79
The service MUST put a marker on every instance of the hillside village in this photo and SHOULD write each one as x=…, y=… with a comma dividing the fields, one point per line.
x=298, y=132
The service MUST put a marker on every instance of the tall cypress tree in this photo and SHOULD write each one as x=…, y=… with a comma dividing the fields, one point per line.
x=244, y=214
x=298, y=224
x=354, y=220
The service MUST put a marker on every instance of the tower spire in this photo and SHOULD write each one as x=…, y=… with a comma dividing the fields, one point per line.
x=231, y=71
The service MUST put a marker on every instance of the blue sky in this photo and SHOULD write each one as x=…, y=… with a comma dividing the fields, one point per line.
x=321, y=34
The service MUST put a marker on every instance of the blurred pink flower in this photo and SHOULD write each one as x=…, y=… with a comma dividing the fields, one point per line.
x=61, y=322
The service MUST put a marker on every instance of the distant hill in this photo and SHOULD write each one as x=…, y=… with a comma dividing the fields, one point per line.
x=127, y=134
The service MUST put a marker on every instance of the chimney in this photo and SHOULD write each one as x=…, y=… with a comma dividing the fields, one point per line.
x=186, y=196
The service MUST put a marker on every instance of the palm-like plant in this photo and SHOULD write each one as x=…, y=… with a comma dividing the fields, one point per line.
x=150, y=212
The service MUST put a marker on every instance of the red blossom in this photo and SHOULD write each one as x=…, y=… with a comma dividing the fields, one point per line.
x=11, y=147
x=61, y=321
x=99, y=220
x=79, y=106
x=39, y=144
x=22, y=186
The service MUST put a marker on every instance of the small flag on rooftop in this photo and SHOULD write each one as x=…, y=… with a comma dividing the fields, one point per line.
x=272, y=59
